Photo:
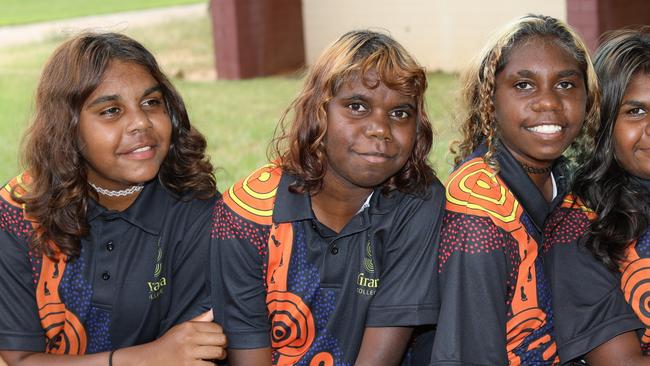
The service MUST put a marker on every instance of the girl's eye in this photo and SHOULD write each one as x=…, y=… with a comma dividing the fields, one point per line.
x=565, y=85
x=111, y=111
x=523, y=85
x=400, y=114
x=637, y=111
x=151, y=102
x=357, y=107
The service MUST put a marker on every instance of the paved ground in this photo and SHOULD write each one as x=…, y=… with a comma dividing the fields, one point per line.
x=118, y=22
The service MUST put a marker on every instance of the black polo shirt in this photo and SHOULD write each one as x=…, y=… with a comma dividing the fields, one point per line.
x=593, y=304
x=286, y=281
x=140, y=272
x=496, y=302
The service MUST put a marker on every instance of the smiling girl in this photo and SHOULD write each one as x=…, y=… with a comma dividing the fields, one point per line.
x=325, y=256
x=103, y=238
x=530, y=95
x=600, y=244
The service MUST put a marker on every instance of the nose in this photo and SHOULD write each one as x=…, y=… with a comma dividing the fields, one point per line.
x=548, y=100
x=139, y=121
x=378, y=127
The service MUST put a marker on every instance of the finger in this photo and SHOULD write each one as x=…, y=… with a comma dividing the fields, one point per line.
x=206, y=327
x=208, y=339
x=205, y=317
x=209, y=353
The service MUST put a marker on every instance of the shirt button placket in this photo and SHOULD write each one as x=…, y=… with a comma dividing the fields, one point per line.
x=109, y=247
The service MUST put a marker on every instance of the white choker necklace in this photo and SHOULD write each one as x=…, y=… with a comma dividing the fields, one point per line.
x=121, y=193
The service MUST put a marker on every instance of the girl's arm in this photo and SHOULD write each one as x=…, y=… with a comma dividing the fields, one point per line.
x=383, y=346
x=473, y=274
x=590, y=310
x=245, y=357
x=188, y=343
x=622, y=350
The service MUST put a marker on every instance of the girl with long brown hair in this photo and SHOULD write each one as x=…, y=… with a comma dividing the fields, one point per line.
x=103, y=238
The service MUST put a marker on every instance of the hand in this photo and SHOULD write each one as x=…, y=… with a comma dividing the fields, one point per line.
x=190, y=343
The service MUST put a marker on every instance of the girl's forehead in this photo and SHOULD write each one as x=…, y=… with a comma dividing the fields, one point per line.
x=538, y=52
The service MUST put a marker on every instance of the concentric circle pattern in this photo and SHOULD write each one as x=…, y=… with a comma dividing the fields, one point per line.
x=254, y=196
x=635, y=283
x=292, y=325
x=475, y=189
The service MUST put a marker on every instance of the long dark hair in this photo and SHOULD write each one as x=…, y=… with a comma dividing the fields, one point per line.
x=620, y=202
x=298, y=141
x=58, y=193
x=477, y=114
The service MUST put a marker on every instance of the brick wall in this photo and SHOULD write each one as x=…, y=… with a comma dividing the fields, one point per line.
x=257, y=37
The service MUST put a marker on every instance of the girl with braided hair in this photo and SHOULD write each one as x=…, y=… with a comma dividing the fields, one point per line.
x=531, y=95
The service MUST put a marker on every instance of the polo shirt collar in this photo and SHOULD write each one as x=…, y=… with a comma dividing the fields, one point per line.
x=291, y=206
x=145, y=211
x=645, y=183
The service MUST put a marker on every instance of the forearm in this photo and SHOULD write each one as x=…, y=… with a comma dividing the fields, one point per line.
x=383, y=346
x=623, y=350
x=246, y=357
x=20, y=358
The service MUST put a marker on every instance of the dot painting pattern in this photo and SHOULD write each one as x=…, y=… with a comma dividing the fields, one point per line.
x=485, y=223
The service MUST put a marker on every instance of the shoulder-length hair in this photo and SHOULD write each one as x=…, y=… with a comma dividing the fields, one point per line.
x=58, y=194
x=298, y=142
x=477, y=117
x=604, y=185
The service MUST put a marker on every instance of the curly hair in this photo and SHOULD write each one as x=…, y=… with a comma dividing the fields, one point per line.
x=58, y=192
x=477, y=111
x=621, y=203
x=297, y=143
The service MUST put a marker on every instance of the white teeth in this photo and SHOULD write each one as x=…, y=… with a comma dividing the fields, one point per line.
x=545, y=129
x=142, y=149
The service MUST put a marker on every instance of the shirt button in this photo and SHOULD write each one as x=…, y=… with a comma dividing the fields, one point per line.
x=334, y=250
x=109, y=246
x=106, y=276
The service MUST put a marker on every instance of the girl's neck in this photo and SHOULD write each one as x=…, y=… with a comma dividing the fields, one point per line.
x=117, y=200
x=543, y=182
x=335, y=208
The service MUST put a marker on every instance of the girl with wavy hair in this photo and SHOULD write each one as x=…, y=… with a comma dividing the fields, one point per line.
x=326, y=255
x=103, y=238
x=600, y=243
x=531, y=94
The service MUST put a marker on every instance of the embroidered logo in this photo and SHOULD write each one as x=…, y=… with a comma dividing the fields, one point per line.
x=366, y=282
x=157, y=285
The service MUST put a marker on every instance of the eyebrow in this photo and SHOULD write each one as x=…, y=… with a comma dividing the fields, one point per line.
x=633, y=103
x=356, y=96
x=113, y=97
x=363, y=97
x=561, y=74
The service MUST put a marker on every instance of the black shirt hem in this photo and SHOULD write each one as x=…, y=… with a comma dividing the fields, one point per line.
x=580, y=345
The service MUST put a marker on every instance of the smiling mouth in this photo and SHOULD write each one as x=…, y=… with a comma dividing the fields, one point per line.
x=141, y=149
x=375, y=157
x=545, y=129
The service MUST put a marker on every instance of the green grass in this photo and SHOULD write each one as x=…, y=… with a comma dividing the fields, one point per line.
x=237, y=117
x=30, y=11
